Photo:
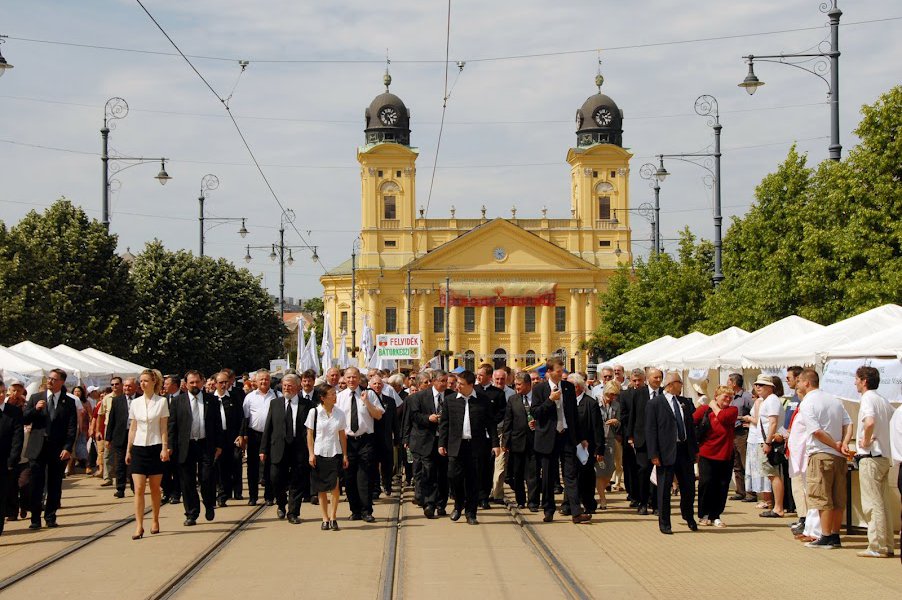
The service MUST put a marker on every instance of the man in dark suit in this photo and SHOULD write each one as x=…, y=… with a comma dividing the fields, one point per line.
x=172, y=488
x=117, y=434
x=285, y=445
x=592, y=428
x=231, y=410
x=672, y=449
x=423, y=382
x=636, y=439
x=467, y=431
x=630, y=468
x=12, y=435
x=517, y=438
x=498, y=400
x=196, y=441
x=54, y=424
x=387, y=436
x=424, y=410
x=557, y=435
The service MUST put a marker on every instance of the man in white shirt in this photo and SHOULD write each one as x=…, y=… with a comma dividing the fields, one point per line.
x=830, y=429
x=874, y=462
x=362, y=408
x=256, y=409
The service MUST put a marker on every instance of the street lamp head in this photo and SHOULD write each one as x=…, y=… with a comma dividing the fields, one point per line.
x=162, y=176
x=4, y=66
x=247, y=256
x=661, y=173
x=315, y=257
x=751, y=82
x=272, y=255
x=290, y=259
x=614, y=221
x=243, y=231
x=618, y=251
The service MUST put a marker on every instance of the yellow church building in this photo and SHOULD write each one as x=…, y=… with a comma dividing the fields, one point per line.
x=511, y=291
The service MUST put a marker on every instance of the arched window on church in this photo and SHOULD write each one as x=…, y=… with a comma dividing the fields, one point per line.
x=603, y=192
x=390, y=192
x=530, y=357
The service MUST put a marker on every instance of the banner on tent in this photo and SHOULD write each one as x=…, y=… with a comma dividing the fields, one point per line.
x=839, y=377
x=395, y=347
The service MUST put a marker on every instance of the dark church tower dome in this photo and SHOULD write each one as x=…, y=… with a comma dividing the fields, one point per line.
x=387, y=118
x=599, y=120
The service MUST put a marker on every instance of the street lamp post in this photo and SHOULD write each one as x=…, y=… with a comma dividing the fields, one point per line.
x=355, y=248
x=208, y=183
x=278, y=251
x=651, y=173
x=826, y=59
x=645, y=210
x=705, y=106
x=117, y=108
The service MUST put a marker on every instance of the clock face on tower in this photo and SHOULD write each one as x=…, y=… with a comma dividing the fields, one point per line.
x=499, y=253
x=388, y=116
x=603, y=116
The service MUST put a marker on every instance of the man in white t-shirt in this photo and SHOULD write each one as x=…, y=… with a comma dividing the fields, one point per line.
x=874, y=462
x=830, y=429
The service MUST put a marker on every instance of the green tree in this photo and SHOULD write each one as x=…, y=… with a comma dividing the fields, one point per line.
x=316, y=307
x=61, y=281
x=664, y=296
x=201, y=313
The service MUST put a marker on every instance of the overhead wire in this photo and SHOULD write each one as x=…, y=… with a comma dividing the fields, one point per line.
x=247, y=146
x=441, y=127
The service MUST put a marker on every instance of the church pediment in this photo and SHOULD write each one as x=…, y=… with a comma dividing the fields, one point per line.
x=499, y=245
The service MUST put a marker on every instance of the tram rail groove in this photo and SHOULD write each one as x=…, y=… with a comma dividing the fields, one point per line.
x=569, y=584
x=68, y=550
x=187, y=573
x=391, y=588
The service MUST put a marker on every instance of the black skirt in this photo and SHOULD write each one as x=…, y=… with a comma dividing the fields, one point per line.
x=146, y=460
x=324, y=477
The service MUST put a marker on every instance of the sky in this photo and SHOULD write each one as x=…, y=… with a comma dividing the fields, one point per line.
x=315, y=66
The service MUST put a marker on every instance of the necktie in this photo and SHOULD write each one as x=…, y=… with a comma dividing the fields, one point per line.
x=195, y=418
x=289, y=426
x=52, y=404
x=355, y=423
x=439, y=402
x=677, y=414
x=561, y=420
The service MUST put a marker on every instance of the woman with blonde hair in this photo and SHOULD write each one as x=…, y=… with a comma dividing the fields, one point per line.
x=714, y=427
x=609, y=406
x=148, y=446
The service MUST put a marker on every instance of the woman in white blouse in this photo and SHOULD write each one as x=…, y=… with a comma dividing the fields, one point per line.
x=327, y=444
x=148, y=446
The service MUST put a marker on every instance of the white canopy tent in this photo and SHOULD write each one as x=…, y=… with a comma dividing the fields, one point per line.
x=70, y=351
x=14, y=365
x=729, y=355
x=626, y=359
x=79, y=369
x=885, y=343
x=678, y=357
x=803, y=350
x=124, y=367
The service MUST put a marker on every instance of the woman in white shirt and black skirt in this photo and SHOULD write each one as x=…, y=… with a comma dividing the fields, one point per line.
x=327, y=444
x=148, y=446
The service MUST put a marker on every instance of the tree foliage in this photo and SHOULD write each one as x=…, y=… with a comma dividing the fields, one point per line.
x=315, y=307
x=61, y=281
x=200, y=313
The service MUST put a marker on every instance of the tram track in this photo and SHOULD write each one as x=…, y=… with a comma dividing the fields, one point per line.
x=391, y=588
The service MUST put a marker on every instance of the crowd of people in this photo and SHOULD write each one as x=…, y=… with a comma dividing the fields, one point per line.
x=457, y=439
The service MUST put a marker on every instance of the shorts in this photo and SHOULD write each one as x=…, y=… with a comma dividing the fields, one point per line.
x=825, y=482
x=769, y=470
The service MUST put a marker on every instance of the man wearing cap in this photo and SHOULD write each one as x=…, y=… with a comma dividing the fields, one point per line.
x=672, y=449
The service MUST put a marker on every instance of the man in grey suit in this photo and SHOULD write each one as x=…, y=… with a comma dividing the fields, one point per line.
x=54, y=425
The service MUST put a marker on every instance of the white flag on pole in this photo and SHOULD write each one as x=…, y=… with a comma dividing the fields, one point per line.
x=327, y=348
x=300, y=363
x=343, y=352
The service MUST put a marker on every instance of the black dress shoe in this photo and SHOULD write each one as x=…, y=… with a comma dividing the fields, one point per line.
x=354, y=517
x=175, y=500
x=252, y=502
x=666, y=530
x=521, y=506
x=455, y=515
x=209, y=514
x=655, y=512
x=643, y=510
x=51, y=523
x=314, y=500
x=369, y=519
x=496, y=500
x=164, y=500
x=221, y=503
x=190, y=522
x=693, y=525
x=280, y=513
x=549, y=517
x=325, y=526
x=34, y=525
x=558, y=489
x=333, y=525
x=429, y=511
x=472, y=520
x=238, y=497
x=533, y=508
x=566, y=511
x=484, y=505
x=441, y=512
x=270, y=502
x=293, y=519
x=634, y=504
x=118, y=494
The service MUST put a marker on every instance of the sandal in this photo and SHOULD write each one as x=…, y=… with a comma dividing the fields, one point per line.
x=769, y=514
x=763, y=505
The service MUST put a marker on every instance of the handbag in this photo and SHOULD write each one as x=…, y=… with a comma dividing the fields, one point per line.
x=704, y=426
x=777, y=454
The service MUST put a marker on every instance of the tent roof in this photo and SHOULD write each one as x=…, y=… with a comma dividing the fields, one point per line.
x=883, y=343
x=729, y=355
x=70, y=351
x=125, y=367
x=803, y=350
x=678, y=357
x=78, y=366
x=649, y=354
x=16, y=364
x=628, y=356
